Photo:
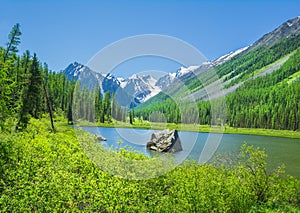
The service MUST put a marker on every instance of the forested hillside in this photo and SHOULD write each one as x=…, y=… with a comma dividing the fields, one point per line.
x=263, y=100
x=271, y=101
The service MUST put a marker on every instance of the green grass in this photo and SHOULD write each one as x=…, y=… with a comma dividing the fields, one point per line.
x=263, y=132
x=196, y=128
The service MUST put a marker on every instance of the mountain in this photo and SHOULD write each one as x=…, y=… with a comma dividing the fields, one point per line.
x=141, y=87
x=137, y=88
x=228, y=56
x=288, y=29
x=227, y=72
x=89, y=78
x=249, y=79
x=230, y=71
x=166, y=80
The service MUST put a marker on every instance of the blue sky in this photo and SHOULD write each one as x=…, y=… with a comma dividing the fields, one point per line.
x=62, y=32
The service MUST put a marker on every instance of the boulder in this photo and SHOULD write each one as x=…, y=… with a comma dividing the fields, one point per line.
x=100, y=138
x=165, y=141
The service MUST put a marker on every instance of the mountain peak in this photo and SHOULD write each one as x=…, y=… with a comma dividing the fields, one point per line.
x=139, y=87
x=109, y=76
x=75, y=63
x=133, y=77
x=289, y=28
x=184, y=70
x=74, y=69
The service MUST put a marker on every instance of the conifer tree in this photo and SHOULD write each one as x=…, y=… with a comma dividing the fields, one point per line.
x=14, y=41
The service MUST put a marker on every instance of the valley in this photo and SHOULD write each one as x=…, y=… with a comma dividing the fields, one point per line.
x=238, y=118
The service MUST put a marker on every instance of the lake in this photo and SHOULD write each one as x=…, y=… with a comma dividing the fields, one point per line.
x=201, y=146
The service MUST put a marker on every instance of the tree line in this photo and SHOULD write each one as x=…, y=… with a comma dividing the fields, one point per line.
x=27, y=86
x=92, y=106
x=29, y=89
x=271, y=101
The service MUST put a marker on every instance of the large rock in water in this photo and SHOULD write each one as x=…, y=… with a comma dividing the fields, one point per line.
x=165, y=141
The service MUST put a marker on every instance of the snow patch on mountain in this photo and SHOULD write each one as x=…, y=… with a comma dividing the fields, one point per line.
x=228, y=56
x=153, y=93
x=123, y=82
x=140, y=87
x=75, y=69
x=172, y=76
x=183, y=70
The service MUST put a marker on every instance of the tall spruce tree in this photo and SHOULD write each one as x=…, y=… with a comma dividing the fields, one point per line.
x=32, y=94
x=35, y=88
x=107, y=106
x=14, y=41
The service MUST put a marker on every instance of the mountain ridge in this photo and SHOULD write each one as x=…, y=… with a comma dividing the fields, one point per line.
x=143, y=88
x=269, y=60
x=139, y=87
x=289, y=28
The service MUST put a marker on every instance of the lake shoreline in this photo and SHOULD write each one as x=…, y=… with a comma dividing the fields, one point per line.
x=193, y=144
x=198, y=128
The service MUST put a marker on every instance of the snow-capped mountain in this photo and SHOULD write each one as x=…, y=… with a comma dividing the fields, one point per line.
x=74, y=70
x=165, y=80
x=138, y=88
x=183, y=71
x=135, y=88
x=228, y=56
x=141, y=87
x=90, y=79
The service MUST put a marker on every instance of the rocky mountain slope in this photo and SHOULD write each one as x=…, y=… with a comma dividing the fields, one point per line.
x=226, y=74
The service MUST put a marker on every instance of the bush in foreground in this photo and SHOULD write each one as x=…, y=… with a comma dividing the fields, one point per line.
x=47, y=172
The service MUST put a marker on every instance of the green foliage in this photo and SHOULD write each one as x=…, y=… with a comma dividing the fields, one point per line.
x=107, y=106
x=193, y=84
x=21, y=93
x=89, y=105
x=6, y=86
x=46, y=172
x=14, y=41
x=269, y=102
x=245, y=65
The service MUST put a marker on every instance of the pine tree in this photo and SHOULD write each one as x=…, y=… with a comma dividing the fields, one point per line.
x=35, y=88
x=14, y=41
x=98, y=105
x=107, y=106
x=32, y=94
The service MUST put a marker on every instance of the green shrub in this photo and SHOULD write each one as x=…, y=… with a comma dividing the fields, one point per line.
x=46, y=172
